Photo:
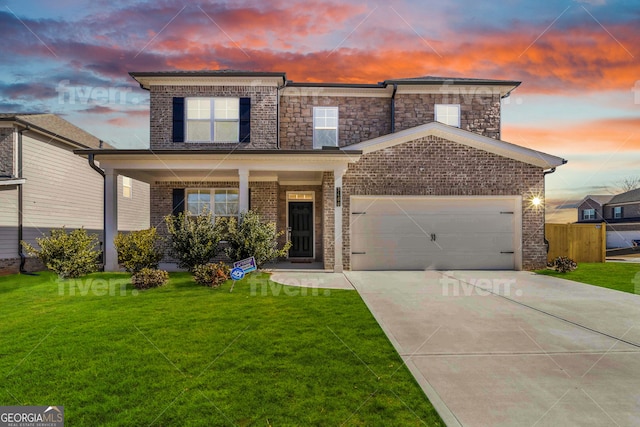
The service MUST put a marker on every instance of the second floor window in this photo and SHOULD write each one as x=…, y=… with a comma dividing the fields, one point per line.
x=588, y=214
x=212, y=119
x=325, y=127
x=617, y=212
x=449, y=114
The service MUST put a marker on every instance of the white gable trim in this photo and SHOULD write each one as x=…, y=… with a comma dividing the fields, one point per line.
x=470, y=139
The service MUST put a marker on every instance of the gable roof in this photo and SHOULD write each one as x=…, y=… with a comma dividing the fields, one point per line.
x=470, y=139
x=601, y=199
x=626, y=197
x=56, y=127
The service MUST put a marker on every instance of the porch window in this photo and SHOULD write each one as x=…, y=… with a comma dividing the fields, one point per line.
x=449, y=114
x=325, y=127
x=213, y=119
x=588, y=214
x=222, y=202
x=126, y=187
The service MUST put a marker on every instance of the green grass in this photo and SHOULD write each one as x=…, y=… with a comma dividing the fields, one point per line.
x=185, y=355
x=613, y=275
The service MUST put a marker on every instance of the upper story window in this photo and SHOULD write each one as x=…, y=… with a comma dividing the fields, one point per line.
x=588, y=214
x=127, y=187
x=212, y=119
x=449, y=114
x=325, y=127
x=222, y=202
x=617, y=212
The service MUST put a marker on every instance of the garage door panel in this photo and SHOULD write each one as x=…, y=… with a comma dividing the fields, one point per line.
x=396, y=233
x=429, y=223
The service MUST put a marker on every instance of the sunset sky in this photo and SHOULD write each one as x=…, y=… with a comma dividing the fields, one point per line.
x=578, y=61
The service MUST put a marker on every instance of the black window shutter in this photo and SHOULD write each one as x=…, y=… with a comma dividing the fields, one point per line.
x=178, y=120
x=245, y=119
x=178, y=201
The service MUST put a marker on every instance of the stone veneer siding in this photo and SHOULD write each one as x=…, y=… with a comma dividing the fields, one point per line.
x=478, y=113
x=264, y=107
x=317, y=214
x=6, y=151
x=264, y=197
x=435, y=166
x=359, y=119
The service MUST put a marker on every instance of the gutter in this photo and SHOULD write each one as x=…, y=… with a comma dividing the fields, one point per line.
x=21, y=254
x=393, y=108
x=92, y=163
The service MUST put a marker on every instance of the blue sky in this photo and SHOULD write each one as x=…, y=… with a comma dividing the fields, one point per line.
x=578, y=61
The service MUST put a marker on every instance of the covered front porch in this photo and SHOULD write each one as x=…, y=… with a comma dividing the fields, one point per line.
x=298, y=190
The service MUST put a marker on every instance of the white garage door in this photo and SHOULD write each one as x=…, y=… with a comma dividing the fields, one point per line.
x=443, y=233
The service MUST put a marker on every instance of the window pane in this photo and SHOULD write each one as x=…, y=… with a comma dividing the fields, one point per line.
x=326, y=137
x=220, y=209
x=226, y=131
x=198, y=108
x=226, y=108
x=198, y=201
x=232, y=209
x=198, y=131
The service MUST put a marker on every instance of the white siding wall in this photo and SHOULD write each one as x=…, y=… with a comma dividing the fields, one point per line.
x=61, y=189
x=133, y=213
x=8, y=222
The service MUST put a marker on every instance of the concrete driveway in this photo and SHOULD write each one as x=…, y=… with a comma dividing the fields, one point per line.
x=513, y=348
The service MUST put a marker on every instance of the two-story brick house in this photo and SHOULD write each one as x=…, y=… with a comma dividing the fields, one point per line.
x=621, y=212
x=401, y=174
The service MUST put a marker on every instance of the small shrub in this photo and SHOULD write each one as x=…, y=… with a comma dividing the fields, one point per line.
x=253, y=238
x=148, y=278
x=70, y=255
x=193, y=239
x=139, y=249
x=563, y=264
x=212, y=275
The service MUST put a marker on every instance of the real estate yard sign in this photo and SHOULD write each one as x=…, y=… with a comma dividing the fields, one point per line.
x=242, y=267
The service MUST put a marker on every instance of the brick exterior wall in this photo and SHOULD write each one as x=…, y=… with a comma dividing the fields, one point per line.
x=478, y=113
x=6, y=151
x=328, y=224
x=264, y=103
x=264, y=199
x=359, y=119
x=631, y=210
x=317, y=214
x=12, y=265
x=435, y=166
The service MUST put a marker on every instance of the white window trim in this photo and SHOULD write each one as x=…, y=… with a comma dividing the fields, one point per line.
x=313, y=124
x=617, y=212
x=592, y=214
x=212, y=120
x=212, y=192
x=435, y=113
x=130, y=186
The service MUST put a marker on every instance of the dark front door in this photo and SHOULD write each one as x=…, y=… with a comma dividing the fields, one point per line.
x=301, y=229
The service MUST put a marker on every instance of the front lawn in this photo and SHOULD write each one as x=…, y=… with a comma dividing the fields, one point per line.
x=613, y=275
x=186, y=355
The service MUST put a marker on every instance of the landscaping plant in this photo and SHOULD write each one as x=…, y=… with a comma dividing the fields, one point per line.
x=252, y=237
x=69, y=255
x=563, y=264
x=149, y=278
x=193, y=240
x=139, y=249
x=212, y=275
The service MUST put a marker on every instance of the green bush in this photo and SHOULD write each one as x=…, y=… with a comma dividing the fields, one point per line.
x=253, y=238
x=139, y=249
x=149, y=278
x=563, y=264
x=70, y=254
x=212, y=275
x=193, y=240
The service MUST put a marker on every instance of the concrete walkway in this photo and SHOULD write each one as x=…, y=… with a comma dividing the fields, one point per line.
x=513, y=348
x=312, y=279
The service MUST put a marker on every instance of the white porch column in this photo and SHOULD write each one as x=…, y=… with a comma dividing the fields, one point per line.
x=244, y=190
x=111, y=220
x=337, y=184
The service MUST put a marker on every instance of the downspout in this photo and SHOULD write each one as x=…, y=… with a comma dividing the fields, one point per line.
x=544, y=207
x=95, y=167
x=23, y=257
x=393, y=108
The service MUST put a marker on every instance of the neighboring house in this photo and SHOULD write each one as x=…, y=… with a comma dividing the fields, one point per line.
x=43, y=185
x=402, y=174
x=621, y=213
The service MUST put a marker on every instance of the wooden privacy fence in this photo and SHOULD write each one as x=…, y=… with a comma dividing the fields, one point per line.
x=580, y=242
